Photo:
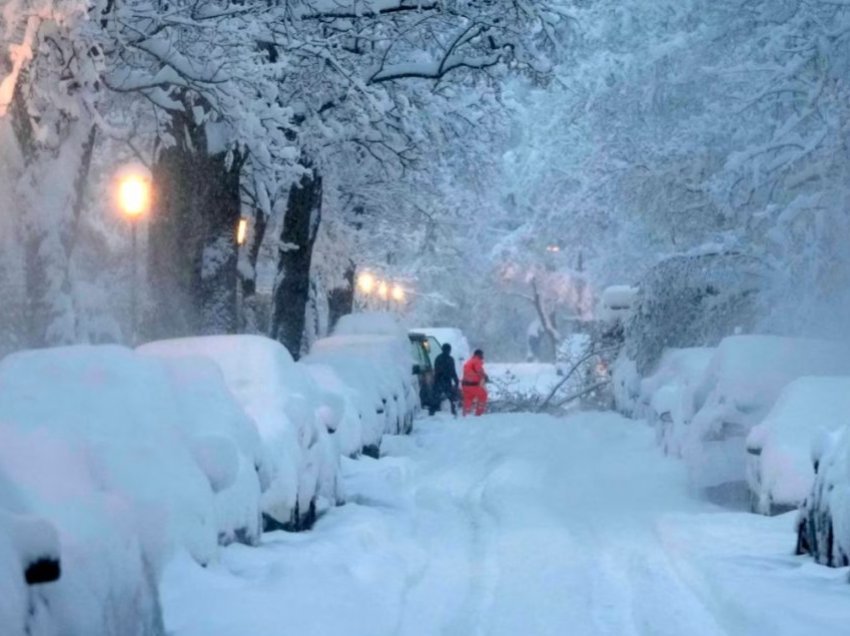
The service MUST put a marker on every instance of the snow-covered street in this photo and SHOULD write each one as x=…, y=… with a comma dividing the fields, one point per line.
x=515, y=524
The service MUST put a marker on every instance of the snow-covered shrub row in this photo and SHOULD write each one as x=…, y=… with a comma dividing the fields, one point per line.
x=738, y=389
x=780, y=470
x=290, y=446
x=823, y=524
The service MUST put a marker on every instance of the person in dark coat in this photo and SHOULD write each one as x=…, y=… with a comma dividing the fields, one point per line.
x=445, y=380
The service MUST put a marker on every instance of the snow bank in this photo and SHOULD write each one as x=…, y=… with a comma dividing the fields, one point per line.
x=740, y=385
x=780, y=469
x=284, y=404
x=666, y=396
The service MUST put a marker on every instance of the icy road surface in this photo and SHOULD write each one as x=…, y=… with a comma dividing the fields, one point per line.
x=522, y=526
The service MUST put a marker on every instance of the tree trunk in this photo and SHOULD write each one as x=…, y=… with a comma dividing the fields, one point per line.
x=192, y=251
x=295, y=256
x=341, y=299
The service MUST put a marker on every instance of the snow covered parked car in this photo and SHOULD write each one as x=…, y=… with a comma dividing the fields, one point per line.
x=780, y=470
x=90, y=438
x=452, y=336
x=823, y=523
x=29, y=556
x=299, y=463
x=740, y=386
x=666, y=396
x=370, y=353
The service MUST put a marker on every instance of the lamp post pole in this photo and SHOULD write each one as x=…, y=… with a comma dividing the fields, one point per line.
x=133, y=199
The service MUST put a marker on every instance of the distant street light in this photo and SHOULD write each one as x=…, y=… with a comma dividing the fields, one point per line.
x=398, y=293
x=366, y=283
x=554, y=249
x=133, y=197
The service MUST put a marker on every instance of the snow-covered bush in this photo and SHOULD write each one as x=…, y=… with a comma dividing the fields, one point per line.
x=823, y=524
x=284, y=403
x=740, y=386
x=780, y=470
x=666, y=396
x=692, y=300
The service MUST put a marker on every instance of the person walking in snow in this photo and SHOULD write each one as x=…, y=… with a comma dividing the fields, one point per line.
x=474, y=378
x=445, y=380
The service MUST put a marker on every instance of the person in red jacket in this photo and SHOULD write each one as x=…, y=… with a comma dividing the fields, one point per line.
x=473, y=381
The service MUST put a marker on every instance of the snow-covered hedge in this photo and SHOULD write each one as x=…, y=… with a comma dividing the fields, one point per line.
x=740, y=386
x=298, y=464
x=823, y=524
x=780, y=470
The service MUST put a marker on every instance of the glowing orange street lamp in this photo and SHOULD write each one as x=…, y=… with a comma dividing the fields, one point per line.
x=366, y=283
x=242, y=231
x=398, y=293
x=133, y=198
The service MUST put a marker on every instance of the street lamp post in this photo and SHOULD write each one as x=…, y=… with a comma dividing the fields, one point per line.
x=241, y=237
x=134, y=197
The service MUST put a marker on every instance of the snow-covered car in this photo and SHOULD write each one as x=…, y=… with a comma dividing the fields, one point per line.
x=370, y=352
x=823, y=523
x=666, y=396
x=340, y=411
x=739, y=387
x=29, y=556
x=300, y=475
x=224, y=442
x=422, y=355
x=780, y=470
x=448, y=335
x=89, y=436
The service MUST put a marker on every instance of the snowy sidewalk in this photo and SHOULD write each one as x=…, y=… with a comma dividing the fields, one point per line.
x=516, y=525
